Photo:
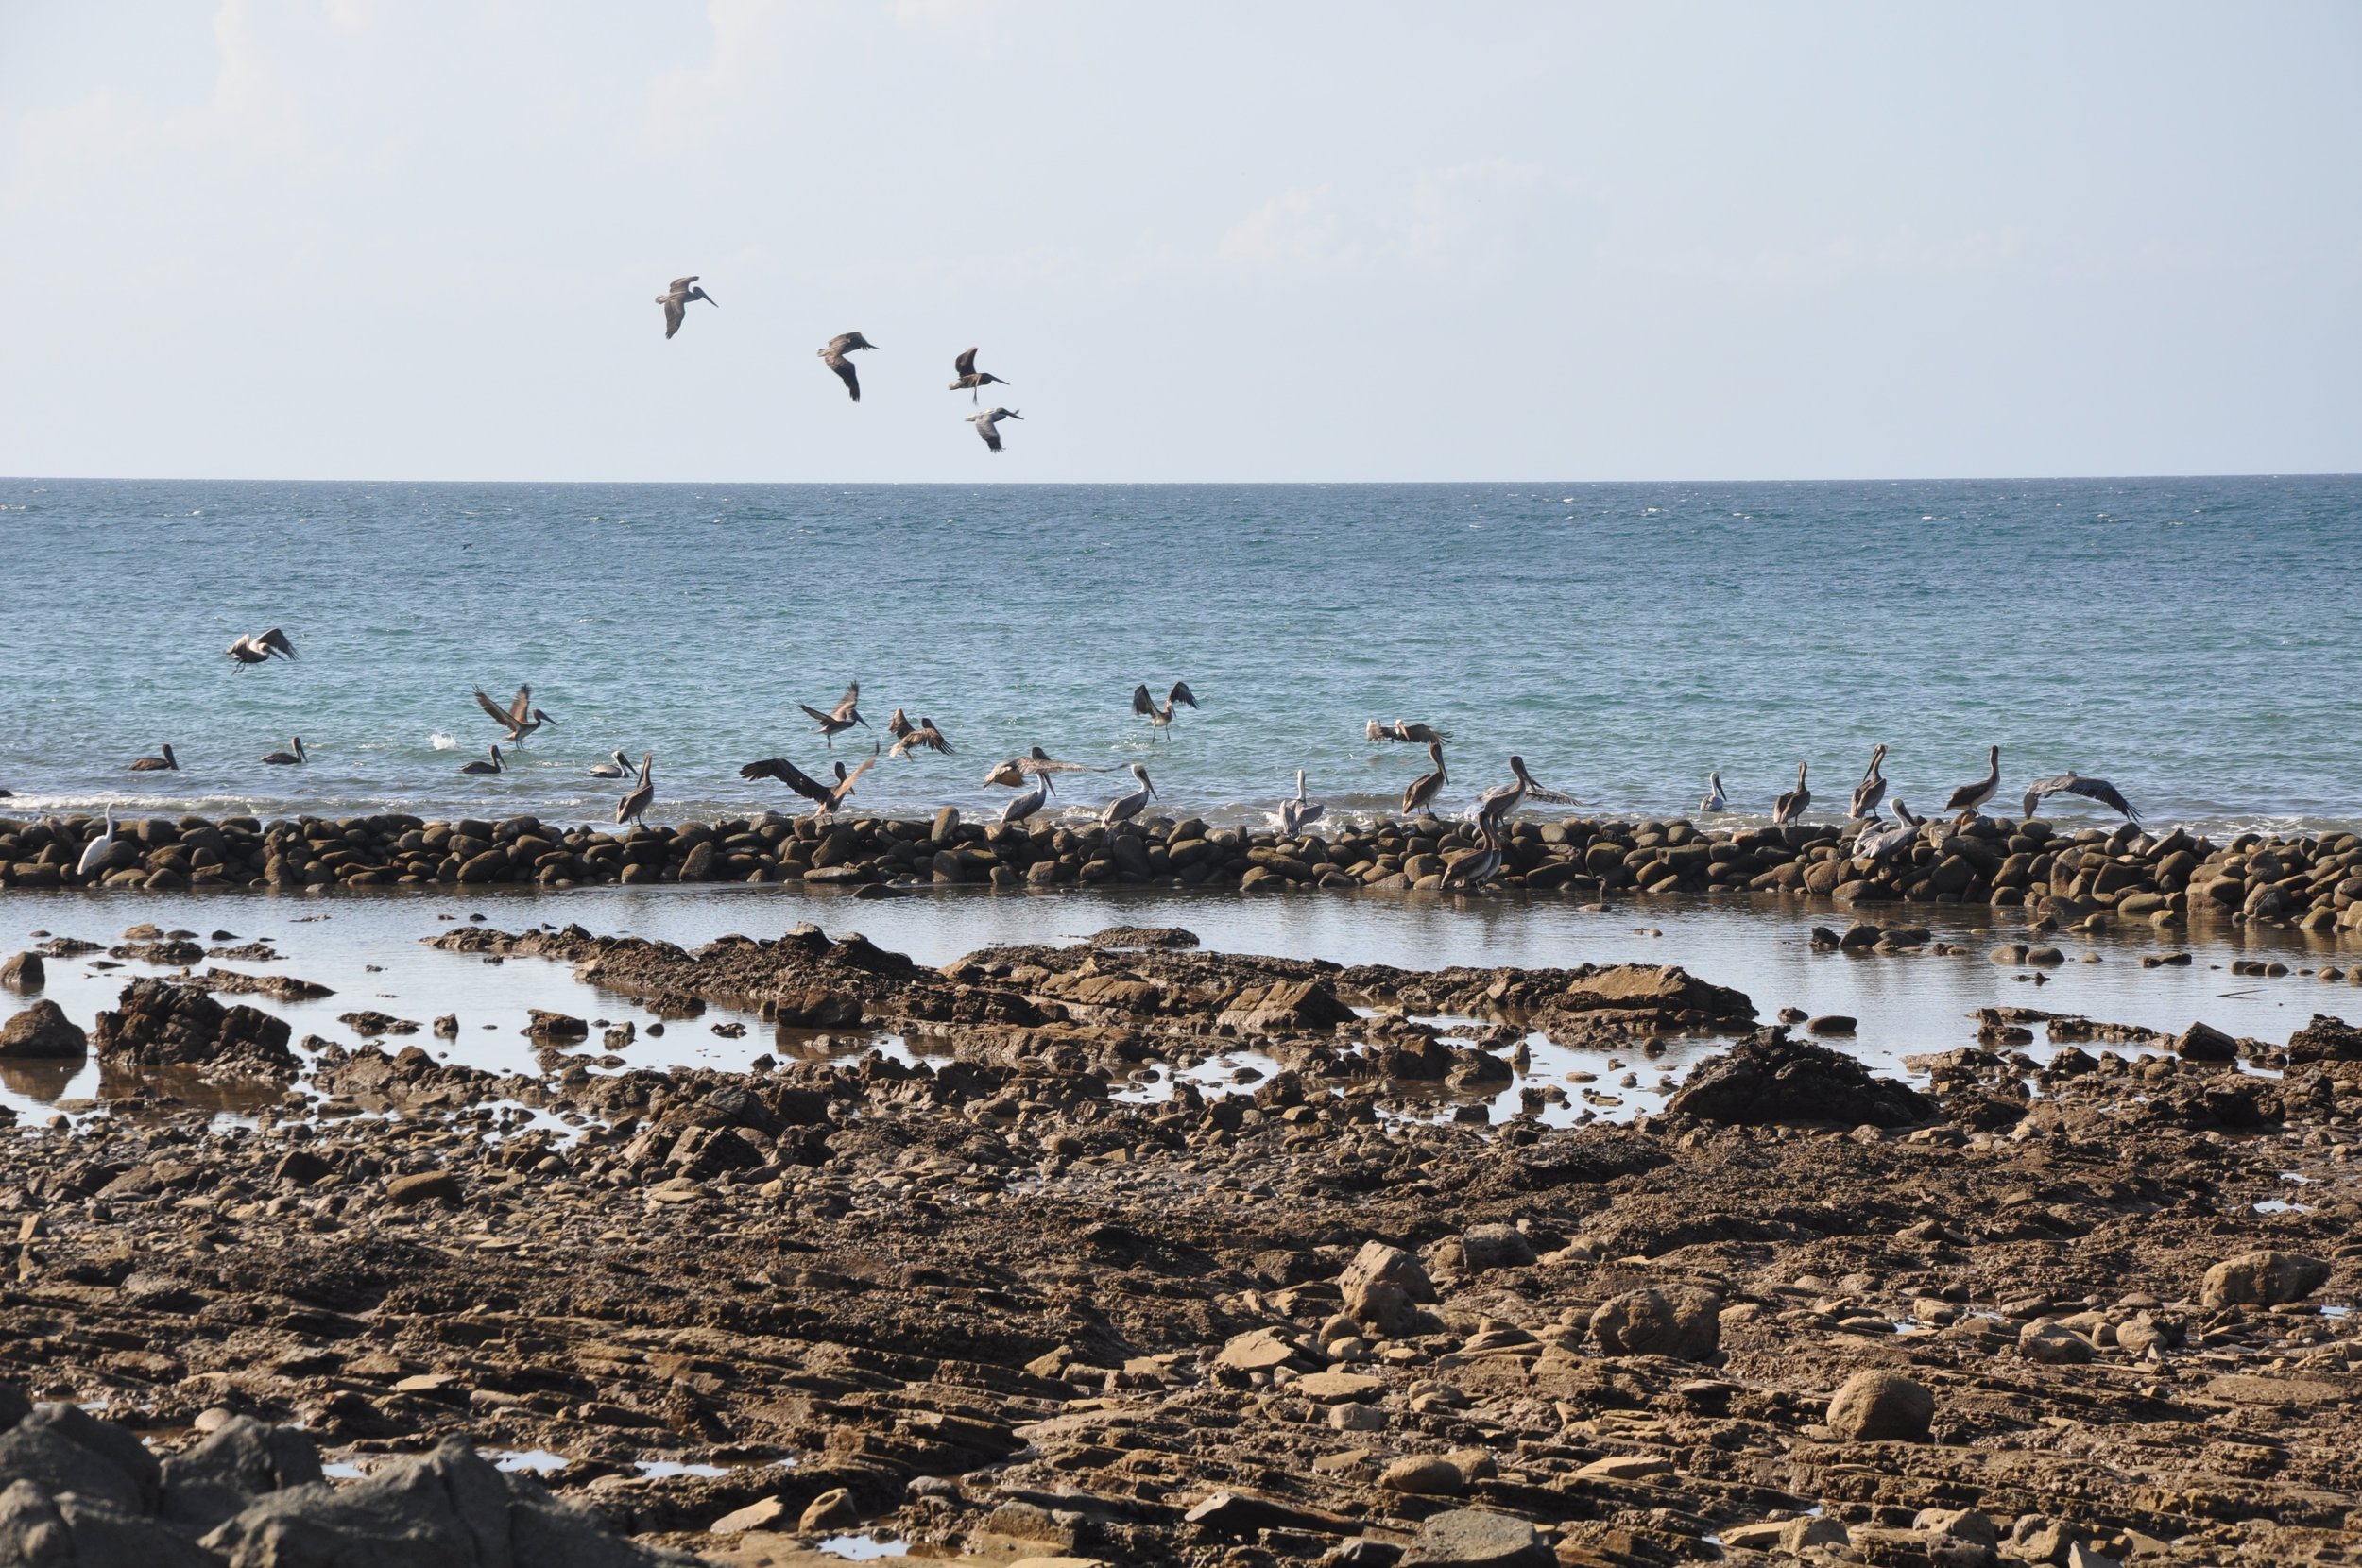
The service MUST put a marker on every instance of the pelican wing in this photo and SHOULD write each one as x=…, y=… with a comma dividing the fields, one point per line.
x=845, y=704
x=508, y=717
x=966, y=364
x=1555, y=798
x=276, y=640
x=1141, y=701
x=680, y=285
x=676, y=312
x=1181, y=693
x=899, y=725
x=835, y=360
x=790, y=775
x=844, y=785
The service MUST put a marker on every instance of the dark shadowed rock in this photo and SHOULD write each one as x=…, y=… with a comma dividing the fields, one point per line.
x=220, y=1477
x=2202, y=1042
x=77, y=1530
x=42, y=1033
x=158, y=1024
x=447, y=1508
x=1770, y=1077
x=2325, y=1039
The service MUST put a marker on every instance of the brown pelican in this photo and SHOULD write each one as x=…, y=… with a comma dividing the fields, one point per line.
x=1873, y=788
x=259, y=647
x=1296, y=812
x=676, y=299
x=926, y=734
x=825, y=797
x=1033, y=764
x=520, y=718
x=1715, y=800
x=1968, y=797
x=2073, y=783
x=1791, y=803
x=898, y=724
x=617, y=766
x=971, y=379
x=97, y=849
x=287, y=759
x=1876, y=844
x=844, y=716
x=833, y=357
x=1025, y=806
x=1422, y=789
x=1477, y=866
x=1124, y=808
x=988, y=424
x=1496, y=803
x=1160, y=717
x=1419, y=735
x=162, y=762
x=634, y=805
x=480, y=765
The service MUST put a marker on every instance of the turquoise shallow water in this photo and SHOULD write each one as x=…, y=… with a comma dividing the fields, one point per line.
x=2197, y=640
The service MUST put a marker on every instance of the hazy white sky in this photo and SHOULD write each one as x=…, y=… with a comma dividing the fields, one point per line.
x=395, y=239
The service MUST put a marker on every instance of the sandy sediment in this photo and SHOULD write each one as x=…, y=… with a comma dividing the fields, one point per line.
x=983, y=1302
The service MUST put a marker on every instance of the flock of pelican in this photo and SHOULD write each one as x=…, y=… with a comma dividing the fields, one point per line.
x=1033, y=773
x=837, y=355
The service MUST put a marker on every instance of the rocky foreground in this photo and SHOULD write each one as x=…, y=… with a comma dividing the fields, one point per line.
x=2069, y=875
x=978, y=1305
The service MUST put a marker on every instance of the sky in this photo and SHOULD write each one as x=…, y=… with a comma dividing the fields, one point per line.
x=1352, y=241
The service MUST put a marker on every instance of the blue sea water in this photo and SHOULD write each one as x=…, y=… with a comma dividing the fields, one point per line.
x=2196, y=640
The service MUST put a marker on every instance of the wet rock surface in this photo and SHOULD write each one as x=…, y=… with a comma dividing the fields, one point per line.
x=996, y=1302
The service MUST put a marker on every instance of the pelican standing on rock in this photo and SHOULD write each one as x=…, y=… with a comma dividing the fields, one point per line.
x=844, y=716
x=259, y=647
x=1296, y=812
x=1160, y=717
x=1025, y=806
x=988, y=425
x=1873, y=788
x=1969, y=797
x=1877, y=842
x=972, y=380
x=676, y=299
x=1477, y=866
x=164, y=761
x=617, y=766
x=1422, y=789
x=1124, y=808
x=1494, y=803
x=833, y=357
x=634, y=805
x=97, y=849
x=520, y=718
x=1791, y=803
x=1715, y=800
x=480, y=765
x=287, y=759
x=2073, y=783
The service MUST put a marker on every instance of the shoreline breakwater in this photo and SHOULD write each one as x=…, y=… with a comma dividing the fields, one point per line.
x=2068, y=876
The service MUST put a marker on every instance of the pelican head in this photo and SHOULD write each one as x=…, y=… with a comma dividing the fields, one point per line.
x=542, y=718
x=171, y=761
x=1139, y=771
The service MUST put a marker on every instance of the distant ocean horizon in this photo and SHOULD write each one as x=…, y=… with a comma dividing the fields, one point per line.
x=2197, y=640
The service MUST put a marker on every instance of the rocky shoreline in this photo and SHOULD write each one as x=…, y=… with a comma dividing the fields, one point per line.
x=982, y=1297
x=2069, y=875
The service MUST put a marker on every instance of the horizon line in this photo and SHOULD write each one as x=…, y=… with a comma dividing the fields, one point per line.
x=1179, y=484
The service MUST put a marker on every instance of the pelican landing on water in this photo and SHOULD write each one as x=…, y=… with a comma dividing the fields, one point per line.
x=972, y=380
x=1791, y=803
x=988, y=425
x=1160, y=717
x=261, y=647
x=1873, y=788
x=676, y=299
x=520, y=718
x=833, y=357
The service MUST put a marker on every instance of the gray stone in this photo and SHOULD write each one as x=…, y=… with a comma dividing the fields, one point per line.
x=76, y=1531
x=2053, y=1344
x=1881, y=1407
x=240, y=1461
x=1478, y=1538
x=1679, y=1320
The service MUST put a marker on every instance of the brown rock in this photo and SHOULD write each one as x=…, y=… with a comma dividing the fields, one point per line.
x=1881, y=1407
x=2263, y=1279
x=42, y=1033
x=1679, y=1320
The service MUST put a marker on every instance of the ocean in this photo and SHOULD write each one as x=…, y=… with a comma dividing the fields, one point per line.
x=2198, y=641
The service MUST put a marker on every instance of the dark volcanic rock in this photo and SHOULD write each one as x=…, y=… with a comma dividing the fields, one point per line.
x=160, y=1024
x=1774, y=1078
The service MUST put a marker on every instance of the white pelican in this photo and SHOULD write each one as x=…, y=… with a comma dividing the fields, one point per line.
x=833, y=357
x=2073, y=783
x=676, y=299
x=1124, y=808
